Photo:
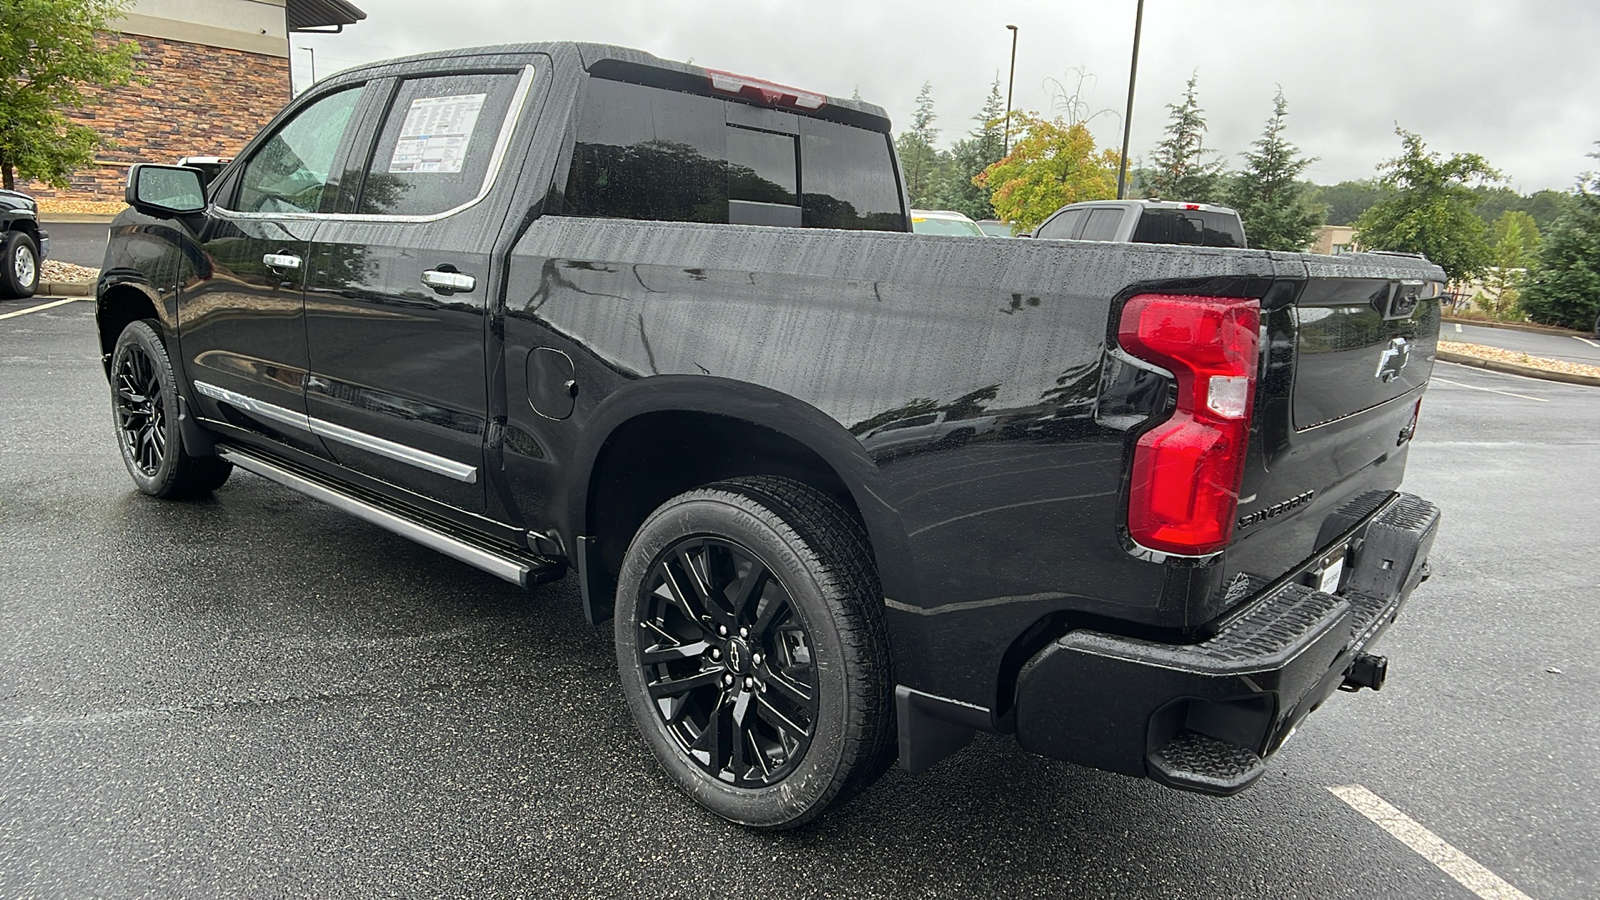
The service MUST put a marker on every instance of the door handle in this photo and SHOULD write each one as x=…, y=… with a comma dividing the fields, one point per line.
x=442, y=280
x=282, y=260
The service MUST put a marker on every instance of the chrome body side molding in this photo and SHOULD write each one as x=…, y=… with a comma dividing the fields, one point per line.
x=422, y=459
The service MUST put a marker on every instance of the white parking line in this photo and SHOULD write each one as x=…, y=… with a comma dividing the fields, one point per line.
x=34, y=309
x=1463, y=868
x=1584, y=339
x=1473, y=387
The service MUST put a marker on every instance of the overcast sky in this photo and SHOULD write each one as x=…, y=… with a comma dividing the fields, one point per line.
x=1514, y=80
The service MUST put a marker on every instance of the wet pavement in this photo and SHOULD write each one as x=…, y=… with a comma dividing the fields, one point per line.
x=255, y=695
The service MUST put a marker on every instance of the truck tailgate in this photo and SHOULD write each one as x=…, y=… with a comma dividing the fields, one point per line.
x=1345, y=367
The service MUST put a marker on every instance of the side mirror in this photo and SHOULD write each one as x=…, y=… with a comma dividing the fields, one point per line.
x=164, y=191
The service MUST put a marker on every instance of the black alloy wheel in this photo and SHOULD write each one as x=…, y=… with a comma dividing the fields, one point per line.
x=141, y=411
x=727, y=662
x=752, y=649
x=144, y=407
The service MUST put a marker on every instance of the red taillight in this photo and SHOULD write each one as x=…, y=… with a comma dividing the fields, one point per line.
x=1186, y=471
x=1191, y=206
x=765, y=91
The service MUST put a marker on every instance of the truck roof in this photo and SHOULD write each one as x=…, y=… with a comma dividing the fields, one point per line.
x=618, y=63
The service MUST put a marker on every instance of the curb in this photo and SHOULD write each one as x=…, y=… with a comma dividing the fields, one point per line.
x=1515, y=326
x=63, y=289
x=1495, y=365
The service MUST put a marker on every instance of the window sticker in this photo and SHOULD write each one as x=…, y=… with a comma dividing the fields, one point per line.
x=435, y=134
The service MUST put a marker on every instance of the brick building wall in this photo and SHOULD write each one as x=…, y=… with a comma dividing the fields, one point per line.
x=199, y=101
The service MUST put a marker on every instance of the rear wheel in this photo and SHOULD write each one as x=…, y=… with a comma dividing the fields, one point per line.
x=19, y=265
x=144, y=404
x=752, y=651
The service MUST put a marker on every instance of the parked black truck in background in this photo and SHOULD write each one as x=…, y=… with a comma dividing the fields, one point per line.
x=846, y=491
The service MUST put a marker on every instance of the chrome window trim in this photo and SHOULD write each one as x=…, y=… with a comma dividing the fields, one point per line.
x=496, y=161
x=422, y=459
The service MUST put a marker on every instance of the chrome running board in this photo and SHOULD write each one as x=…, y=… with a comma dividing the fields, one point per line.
x=524, y=572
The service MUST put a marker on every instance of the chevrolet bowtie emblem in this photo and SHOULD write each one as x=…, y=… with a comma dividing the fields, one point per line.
x=1394, y=358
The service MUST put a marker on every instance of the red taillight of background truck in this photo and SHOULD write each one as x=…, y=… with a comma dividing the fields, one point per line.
x=1184, y=492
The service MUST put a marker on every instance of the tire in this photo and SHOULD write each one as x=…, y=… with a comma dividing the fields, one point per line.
x=752, y=651
x=144, y=408
x=19, y=265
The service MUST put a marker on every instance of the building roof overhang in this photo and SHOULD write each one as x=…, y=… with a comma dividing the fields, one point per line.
x=322, y=15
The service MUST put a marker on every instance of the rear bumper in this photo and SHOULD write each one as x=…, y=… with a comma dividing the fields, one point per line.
x=1204, y=716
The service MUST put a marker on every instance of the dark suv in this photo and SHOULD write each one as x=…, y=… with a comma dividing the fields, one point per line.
x=23, y=245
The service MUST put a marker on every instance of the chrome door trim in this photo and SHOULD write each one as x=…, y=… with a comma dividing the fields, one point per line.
x=496, y=160
x=258, y=407
x=422, y=459
x=512, y=570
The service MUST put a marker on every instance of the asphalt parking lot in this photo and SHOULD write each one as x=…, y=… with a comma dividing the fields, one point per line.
x=1578, y=348
x=79, y=243
x=257, y=696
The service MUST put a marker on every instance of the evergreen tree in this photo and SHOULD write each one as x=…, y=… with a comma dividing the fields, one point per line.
x=972, y=154
x=1178, y=167
x=1268, y=193
x=1563, y=286
x=1433, y=210
x=919, y=161
x=50, y=52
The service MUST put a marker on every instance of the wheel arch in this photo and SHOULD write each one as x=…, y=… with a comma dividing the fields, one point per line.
x=118, y=306
x=665, y=435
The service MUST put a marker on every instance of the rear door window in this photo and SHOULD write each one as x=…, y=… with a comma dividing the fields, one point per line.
x=1060, y=227
x=1101, y=225
x=437, y=143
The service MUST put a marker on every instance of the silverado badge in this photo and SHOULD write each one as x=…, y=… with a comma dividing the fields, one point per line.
x=1394, y=358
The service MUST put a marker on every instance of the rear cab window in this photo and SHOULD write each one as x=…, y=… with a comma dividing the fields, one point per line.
x=643, y=152
x=1188, y=226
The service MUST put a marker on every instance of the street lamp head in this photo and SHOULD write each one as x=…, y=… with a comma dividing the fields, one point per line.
x=1012, y=27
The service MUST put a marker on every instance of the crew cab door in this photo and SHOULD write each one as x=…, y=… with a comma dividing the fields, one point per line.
x=242, y=319
x=399, y=283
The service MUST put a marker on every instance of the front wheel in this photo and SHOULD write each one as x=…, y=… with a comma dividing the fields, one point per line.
x=752, y=651
x=19, y=265
x=144, y=404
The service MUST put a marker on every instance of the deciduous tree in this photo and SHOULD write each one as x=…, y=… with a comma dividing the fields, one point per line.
x=50, y=51
x=1268, y=193
x=1563, y=286
x=1052, y=163
x=1432, y=211
x=1516, y=241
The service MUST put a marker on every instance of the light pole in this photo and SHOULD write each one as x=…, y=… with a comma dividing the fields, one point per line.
x=1005, y=147
x=313, y=52
x=1127, y=119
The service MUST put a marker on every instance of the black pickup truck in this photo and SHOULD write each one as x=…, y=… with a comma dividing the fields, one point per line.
x=847, y=492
